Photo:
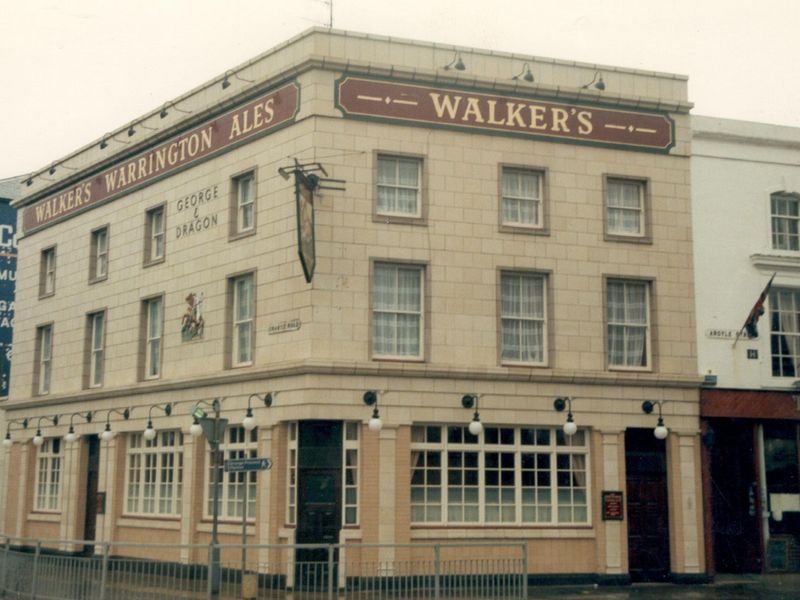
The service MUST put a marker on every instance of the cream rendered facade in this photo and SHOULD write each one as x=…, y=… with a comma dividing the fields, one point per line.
x=320, y=371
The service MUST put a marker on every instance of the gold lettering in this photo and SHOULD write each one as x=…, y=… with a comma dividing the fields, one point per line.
x=131, y=172
x=247, y=127
x=123, y=179
x=560, y=120
x=537, y=117
x=61, y=204
x=39, y=212
x=585, y=120
x=70, y=200
x=205, y=141
x=513, y=114
x=473, y=108
x=111, y=181
x=48, y=210
x=236, y=131
x=446, y=104
x=161, y=158
x=182, y=144
x=142, y=167
x=172, y=154
x=269, y=109
x=78, y=194
x=193, y=148
x=258, y=118
x=492, y=120
x=87, y=189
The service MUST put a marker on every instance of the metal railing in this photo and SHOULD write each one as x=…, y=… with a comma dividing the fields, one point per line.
x=62, y=570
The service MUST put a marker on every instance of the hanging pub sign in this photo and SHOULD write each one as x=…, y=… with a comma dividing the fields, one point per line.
x=260, y=116
x=491, y=113
x=304, y=186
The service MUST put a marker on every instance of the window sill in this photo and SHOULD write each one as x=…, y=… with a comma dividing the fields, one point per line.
x=47, y=295
x=150, y=522
x=241, y=234
x=93, y=280
x=152, y=263
x=526, y=365
x=45, y=516
x=434, y=532
x=523, y=229
x=778, y=262
x=630, y=239
x=398, y=219
x=624, y=369
x=398, y=359
x=226, y=527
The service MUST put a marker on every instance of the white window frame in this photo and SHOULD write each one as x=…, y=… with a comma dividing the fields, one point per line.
x=517, y=198
x=237, y=443
x=45, y=358
x=394, y=186
x=612, y=183
x=521, y=319
x=97, y=349
x=153, y=332
x=156, y=234
x=784, y=305
x=243, y=322
x=99, y=245
x=521, y=503
x=627, y=325
x=398, y=312
x=154, y=474
x=789, y=239
x=351, y=455
x=244, y=187
x=47, y=497
x=291, y=473
x=48, y=282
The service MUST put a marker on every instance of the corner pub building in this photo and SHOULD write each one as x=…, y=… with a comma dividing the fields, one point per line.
x=491, y=232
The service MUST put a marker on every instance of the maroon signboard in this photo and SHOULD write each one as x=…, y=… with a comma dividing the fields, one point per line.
x=257, y=117
x=612, y=506
x=535, y=118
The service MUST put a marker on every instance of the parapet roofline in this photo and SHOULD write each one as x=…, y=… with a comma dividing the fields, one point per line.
x=745, y=132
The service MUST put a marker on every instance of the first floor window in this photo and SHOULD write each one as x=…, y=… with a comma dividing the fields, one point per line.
x=47, y=272
x=245, y=203
x=235, y=488
x=399, y=186
x=154, y=481
x=784, y=310
x=628, y=315
x=96, y=348
x=522, y=306
x=153, y=309
x=155, y=235
x=98, y=265
x=514, y=475
x=48, y=475
x=522, y=198
x=785, y=210
x=397, y=310
x=44, y=341
x=243, y=315
x=625, y=207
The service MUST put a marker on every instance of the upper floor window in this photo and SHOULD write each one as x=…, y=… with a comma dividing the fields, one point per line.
x=625, y=207
x=98, y=260
x=397, y=311
x=242, y=318
x=155, y=235
x=48, y=476
x=47, y=272
x=784, y=312
x=154, y=481
x=243, y=204
x=44, y=359
x=399, y=186
x=785, y=220
x=522, y=317
x=509, y=475
x=628, y=321
x=522, y=198
x=96, y=348
x=153, y=312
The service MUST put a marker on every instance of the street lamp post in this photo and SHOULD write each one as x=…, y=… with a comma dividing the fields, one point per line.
x=214, y=429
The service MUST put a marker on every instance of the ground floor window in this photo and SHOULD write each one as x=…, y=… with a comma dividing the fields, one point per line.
x=48, y=476
x=512, y=475
x=154, y=482
x=234, y=488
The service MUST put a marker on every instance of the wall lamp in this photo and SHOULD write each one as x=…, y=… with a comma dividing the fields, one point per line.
x=104, y=142
x=150, y=432
x=226, y=82
x=525, y=74
x=456, y=63
x=38, y=439
x=29, y=181
x=249, y=421
x=371, y=399
x=8, y=442
x=71, y=435
x=597, y=82
x=131, y=131
x=471, y=401
x=560, y=404
x=661, y=430
x=164, y=112
x=198, y=413
x=107, y=434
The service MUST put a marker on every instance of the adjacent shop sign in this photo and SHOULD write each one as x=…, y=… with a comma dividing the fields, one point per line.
x=524, y=116
x=257, y=117
x=8, y=279
x=612, y=506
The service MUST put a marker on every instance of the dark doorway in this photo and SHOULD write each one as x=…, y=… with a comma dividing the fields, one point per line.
x=92, y=475
x=648, y=518
x=319, y=502
x=734, y=493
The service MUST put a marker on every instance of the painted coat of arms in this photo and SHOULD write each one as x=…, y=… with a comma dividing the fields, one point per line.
x=192, y=322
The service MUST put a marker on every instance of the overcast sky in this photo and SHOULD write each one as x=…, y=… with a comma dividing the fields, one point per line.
x=74, y=69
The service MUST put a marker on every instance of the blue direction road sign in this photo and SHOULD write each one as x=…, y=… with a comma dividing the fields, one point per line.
x=237, y=465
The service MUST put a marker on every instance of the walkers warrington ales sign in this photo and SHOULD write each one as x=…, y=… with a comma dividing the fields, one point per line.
x=262, y=115
x=488, y=113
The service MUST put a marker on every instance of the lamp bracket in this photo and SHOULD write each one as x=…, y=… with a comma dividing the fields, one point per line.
x=469, y=400
x=370, y=397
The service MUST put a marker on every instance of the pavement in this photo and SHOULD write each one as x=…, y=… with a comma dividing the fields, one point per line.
x=724, y=587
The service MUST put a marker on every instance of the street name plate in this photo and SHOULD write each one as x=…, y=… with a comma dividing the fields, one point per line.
x=237, y=465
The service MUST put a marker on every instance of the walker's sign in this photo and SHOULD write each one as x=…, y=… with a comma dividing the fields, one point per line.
x=527, y=117
x=262, y=115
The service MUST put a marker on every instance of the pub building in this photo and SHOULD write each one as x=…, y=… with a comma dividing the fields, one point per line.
x=446, y=291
